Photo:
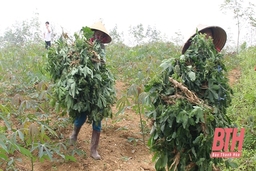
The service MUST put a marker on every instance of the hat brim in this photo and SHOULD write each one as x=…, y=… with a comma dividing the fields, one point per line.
x=219, y=37
x=108, y=39
x=100, y=27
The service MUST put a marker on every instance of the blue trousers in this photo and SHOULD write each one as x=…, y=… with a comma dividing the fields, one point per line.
x=79, y=121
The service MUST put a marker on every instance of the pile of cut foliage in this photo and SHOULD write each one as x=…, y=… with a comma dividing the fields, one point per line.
x=82, y=80
x=189, y=99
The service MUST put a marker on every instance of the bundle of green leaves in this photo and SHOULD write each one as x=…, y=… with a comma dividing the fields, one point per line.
x=83, y=83
x=189, y=98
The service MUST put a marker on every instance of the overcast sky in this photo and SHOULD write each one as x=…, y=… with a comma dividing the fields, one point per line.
x=167, y=16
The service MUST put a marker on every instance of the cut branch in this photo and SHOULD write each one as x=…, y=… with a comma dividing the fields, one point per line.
x=190, y=96
x=175, y=162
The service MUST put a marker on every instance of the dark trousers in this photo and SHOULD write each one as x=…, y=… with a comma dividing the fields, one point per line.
x=80, y=120
x=47, y=44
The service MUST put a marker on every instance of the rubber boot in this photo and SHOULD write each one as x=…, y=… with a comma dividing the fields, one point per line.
x=73, y=137
x=94, y=145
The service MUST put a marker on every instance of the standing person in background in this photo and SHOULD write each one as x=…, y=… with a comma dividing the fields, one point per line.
x=100, y=34
x=47, y=35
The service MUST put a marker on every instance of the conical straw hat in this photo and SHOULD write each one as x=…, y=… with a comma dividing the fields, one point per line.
x=99, y=26
x=219, y=37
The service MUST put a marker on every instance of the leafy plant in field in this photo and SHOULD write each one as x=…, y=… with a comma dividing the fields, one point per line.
x=137, y=66
x=190, y=98
x=126, y=62
x=136, y=98
x=32, y=139
x=8, y=146
x=242, y=111
x=28, y=128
